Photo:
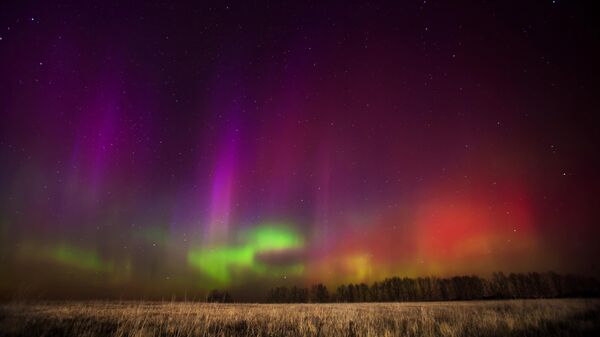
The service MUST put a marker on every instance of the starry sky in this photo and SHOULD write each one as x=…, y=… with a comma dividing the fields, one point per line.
x=154, y=149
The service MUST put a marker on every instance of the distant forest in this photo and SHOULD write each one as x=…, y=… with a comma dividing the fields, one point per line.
x=397, y=289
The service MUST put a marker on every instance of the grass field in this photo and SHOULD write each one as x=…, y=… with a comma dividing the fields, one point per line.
x=567, y=317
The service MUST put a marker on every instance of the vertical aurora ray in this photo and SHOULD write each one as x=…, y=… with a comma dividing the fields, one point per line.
x=221, y=194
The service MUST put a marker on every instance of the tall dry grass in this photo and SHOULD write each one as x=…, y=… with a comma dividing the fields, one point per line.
x=567, y=317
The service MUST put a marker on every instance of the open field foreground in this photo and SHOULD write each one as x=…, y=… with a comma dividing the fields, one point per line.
x=567, y=317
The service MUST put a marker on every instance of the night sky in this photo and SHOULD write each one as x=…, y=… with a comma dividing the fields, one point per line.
x=155, y=149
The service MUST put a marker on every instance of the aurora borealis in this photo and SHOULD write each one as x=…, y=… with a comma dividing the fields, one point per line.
x=159, y=149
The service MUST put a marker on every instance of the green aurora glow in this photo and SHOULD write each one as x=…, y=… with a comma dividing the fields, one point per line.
x=219, y=262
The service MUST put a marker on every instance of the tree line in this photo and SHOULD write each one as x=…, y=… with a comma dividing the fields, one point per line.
x=396, y=289
x=218, y=296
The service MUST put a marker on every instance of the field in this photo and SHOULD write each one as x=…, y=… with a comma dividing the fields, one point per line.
x=568, y=317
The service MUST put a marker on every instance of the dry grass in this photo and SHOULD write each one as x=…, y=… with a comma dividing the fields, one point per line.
x=487, y=318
